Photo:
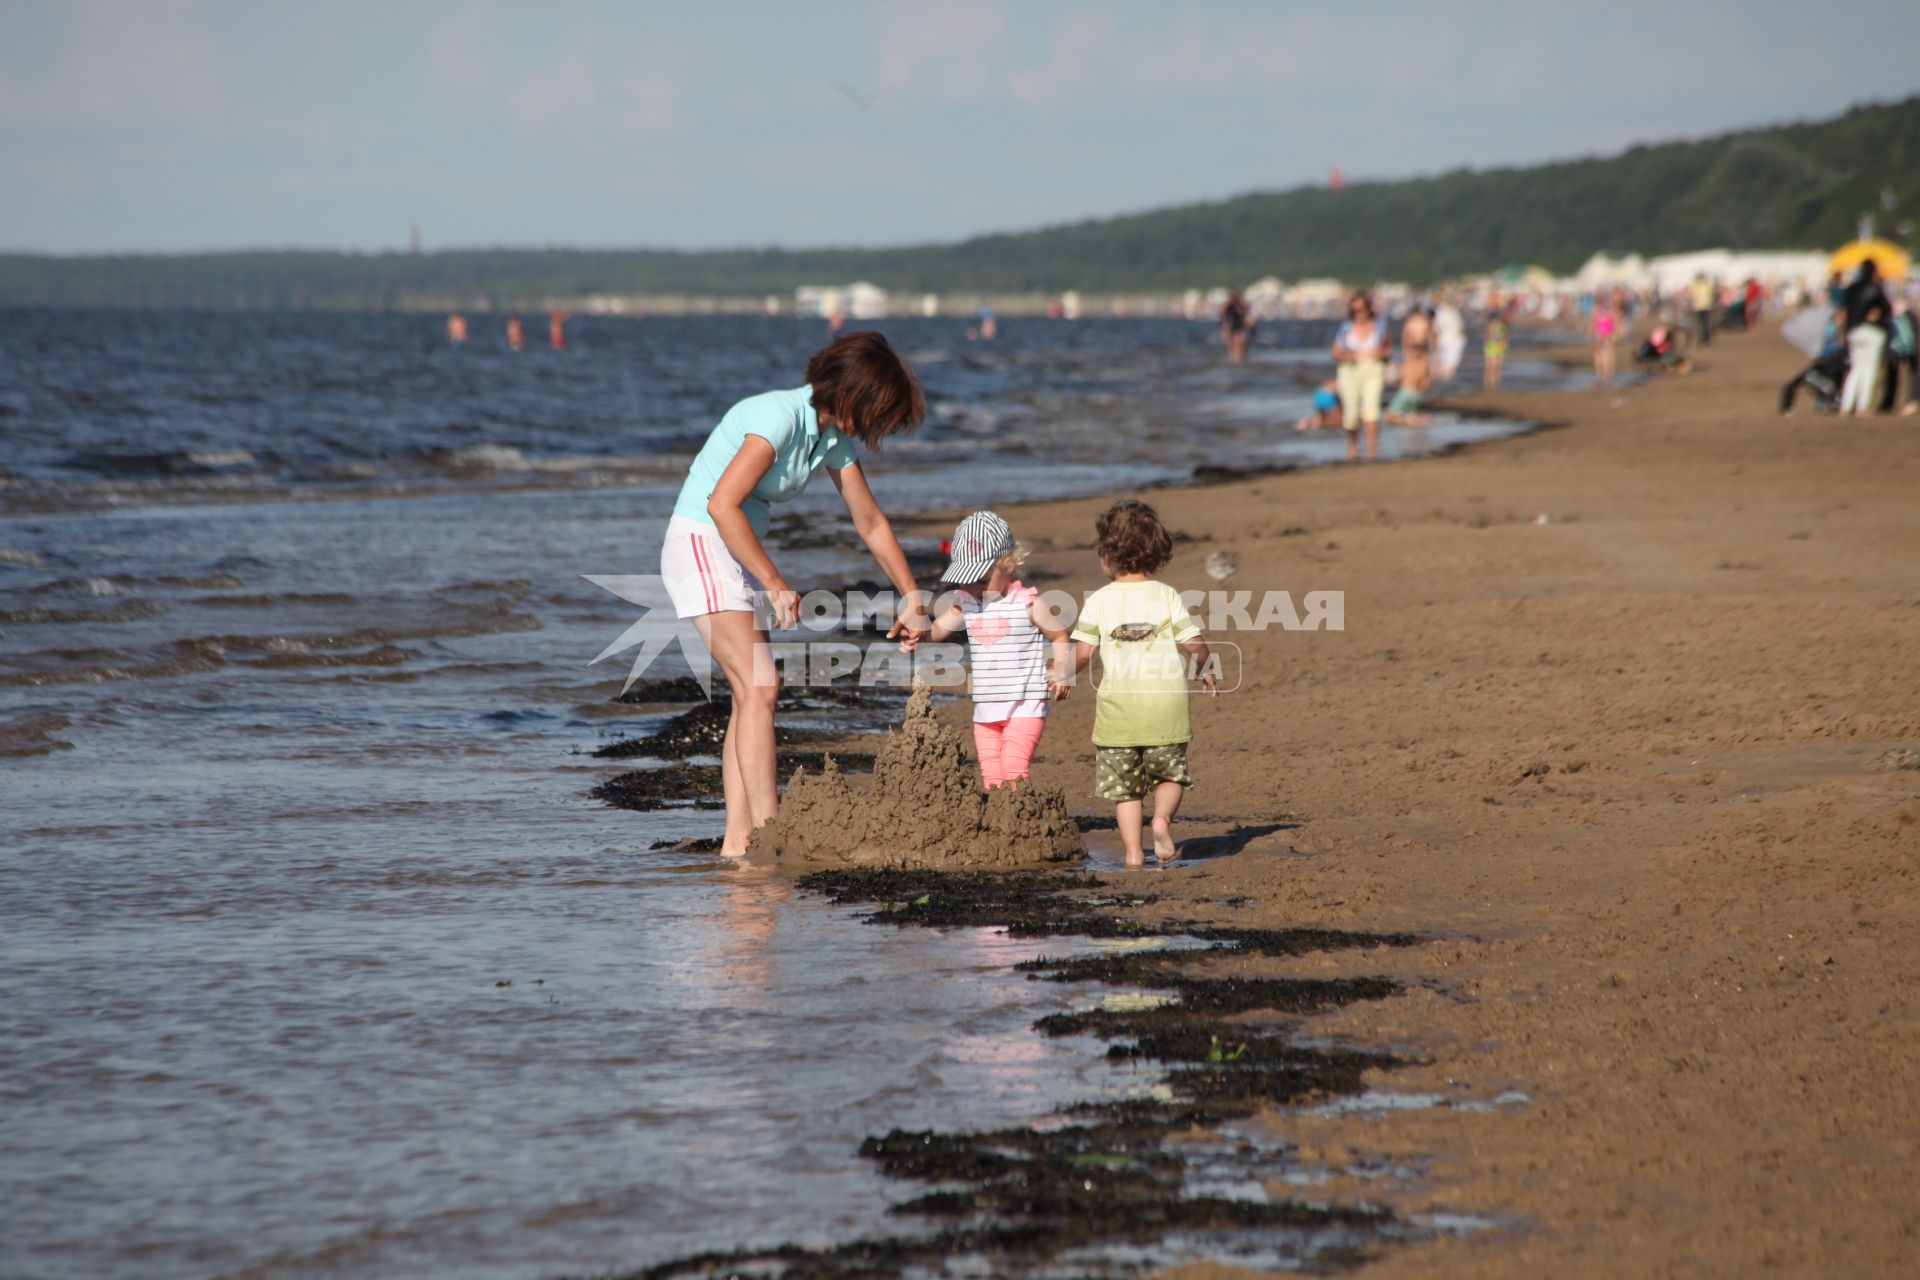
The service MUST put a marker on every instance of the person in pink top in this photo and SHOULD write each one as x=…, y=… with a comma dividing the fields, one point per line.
x=1606, y=326
x=1018, y=651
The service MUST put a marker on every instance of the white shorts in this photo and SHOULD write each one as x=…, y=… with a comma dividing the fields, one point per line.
x=701, y=574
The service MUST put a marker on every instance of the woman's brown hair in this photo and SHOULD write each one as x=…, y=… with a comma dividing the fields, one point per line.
x=870, y=391
x=1130, y=538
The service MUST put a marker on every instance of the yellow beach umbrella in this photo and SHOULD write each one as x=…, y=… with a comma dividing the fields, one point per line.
x=1891, y=260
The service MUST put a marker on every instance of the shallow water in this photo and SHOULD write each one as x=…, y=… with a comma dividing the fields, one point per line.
x=294, y=698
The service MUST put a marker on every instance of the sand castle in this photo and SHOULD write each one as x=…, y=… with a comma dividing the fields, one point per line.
x=924, y=808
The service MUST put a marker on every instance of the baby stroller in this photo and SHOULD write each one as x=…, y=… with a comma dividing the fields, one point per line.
x=1824, y=376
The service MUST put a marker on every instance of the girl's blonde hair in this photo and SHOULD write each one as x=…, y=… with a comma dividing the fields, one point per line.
x=1015, y=559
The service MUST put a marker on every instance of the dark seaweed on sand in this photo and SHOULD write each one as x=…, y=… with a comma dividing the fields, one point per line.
x=699, y=786
x=1029, y=1201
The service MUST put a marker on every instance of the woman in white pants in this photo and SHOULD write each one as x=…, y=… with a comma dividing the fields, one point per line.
x=1360, y=350
x=1866, y=350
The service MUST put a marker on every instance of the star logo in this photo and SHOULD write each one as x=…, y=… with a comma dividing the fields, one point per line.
x=651, y=634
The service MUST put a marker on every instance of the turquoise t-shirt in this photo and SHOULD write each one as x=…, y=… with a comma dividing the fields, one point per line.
x=801, y=446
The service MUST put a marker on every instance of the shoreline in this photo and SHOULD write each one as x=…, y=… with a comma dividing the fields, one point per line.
x=1635, y=791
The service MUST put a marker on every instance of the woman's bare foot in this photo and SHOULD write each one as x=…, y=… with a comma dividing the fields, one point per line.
x=1163, y=846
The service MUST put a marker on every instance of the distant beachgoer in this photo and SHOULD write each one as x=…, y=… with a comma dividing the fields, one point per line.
x=714, y=558
x=1326, y=408
x=1449, y=339
x=989, y=325
x=1606, y=324
x=557, y=330
x=456, y=328
x=1866, y=351
x=1360, y=350
x=1903, y=352
x=1145, y=639
x=1755, y=300
x=1404, y=409
x=1018, y=655
x=835, y=322
x=1493, y=350
x=1416, y=351
x=1236, y=327
x=516, y=335
x=1702, y=299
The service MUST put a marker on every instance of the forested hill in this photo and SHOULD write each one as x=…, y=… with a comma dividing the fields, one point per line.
x=1789, y=186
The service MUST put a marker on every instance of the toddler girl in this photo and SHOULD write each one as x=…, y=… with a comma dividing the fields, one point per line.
x=1009, y=635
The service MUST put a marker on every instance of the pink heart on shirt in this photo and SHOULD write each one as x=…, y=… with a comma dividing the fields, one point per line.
x=988, y=628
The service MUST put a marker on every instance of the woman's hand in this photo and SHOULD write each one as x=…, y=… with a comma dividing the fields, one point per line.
x=1060, y=690
x=912, y=626
x=785, y=603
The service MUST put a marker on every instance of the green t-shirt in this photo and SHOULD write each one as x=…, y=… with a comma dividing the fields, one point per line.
x=1142, y=698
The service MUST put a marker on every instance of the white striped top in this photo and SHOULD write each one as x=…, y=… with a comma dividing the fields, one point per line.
x=1007, y=653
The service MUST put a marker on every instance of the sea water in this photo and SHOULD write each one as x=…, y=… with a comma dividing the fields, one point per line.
x=320, y=960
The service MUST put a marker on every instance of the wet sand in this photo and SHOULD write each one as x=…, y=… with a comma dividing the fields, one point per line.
x=1638, y=773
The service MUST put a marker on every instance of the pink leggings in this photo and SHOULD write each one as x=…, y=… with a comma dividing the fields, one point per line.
x=1006, y=747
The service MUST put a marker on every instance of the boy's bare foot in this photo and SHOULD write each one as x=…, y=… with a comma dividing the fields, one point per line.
x=1163, y=846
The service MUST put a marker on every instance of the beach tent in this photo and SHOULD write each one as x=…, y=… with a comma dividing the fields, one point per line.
x=1890, y=258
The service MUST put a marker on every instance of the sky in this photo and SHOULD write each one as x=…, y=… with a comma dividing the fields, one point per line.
x=177, y=125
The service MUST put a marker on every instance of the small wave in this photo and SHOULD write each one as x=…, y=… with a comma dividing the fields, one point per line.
x=205, y=582
x=483, y=457
x=84, y=586
x=192, y=662
x=504, y=587
x=33, y=735
x=386, y=655
x=14, y=555
x=167, y=462
x=131, y=611
x=264, y=599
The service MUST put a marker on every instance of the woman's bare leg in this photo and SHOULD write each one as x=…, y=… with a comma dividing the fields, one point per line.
x=1373, y=438
x=747, y=757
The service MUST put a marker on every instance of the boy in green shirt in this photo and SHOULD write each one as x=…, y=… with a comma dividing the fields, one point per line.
x=1145, y=640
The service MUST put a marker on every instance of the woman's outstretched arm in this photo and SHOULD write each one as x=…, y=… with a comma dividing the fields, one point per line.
x=877, y=532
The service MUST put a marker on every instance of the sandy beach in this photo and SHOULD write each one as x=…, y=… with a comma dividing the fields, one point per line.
x=1640, y=770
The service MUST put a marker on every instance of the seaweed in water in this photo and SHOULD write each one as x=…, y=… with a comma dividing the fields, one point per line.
x=1025, y=1201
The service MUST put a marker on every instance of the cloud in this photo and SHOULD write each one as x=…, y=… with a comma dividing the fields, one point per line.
x=594, y=89
x=949, y=50
x=1088, y=58
x=458, y=58
x=127, y=62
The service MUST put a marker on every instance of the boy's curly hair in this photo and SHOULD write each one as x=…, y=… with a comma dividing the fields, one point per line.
x=1130, y=538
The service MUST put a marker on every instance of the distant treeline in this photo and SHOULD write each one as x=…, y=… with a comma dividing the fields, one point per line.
x=1792, y=186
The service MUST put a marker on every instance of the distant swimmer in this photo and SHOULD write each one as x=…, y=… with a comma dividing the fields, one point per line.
x=557, y=330
x=1416, y=351
x=1236, y=327
x=1326, y=408
x=1493, y=348
x=516, y=336
x=989, y=325
x=456, y=328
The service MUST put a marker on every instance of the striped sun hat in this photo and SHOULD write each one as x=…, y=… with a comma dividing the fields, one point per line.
x=980, y=539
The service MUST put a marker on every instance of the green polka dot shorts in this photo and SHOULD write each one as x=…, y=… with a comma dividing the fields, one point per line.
x=1128, y=773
